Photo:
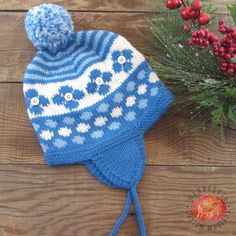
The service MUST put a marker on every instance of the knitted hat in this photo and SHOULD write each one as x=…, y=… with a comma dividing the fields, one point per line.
x=91, y=96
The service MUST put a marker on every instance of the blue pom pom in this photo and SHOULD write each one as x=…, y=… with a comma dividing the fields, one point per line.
x=49, y=26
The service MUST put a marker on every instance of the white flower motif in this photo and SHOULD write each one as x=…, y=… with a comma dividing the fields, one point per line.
x=87, y=115
x=103, y=107
x=153, y=78
x=142, y=89
x=78, y=139
x=114, y=125
x=143, y=103
x=65, y=132
x=68, y=120
x=100, y=121
x=118, y=97
x=59, y=143
x=154, y=91
x=130, y=116
x=82, y=127
x=130, y=86
x=130, y=101
x=116, y=112
x=46, y=134
x=97, y=134
x=51, y=123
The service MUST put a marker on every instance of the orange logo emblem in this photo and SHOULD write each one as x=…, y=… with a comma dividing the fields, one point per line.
x=209, y=208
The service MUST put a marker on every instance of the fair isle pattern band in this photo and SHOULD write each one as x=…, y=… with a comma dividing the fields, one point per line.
x=84, y=86
x=123, y=108
x=110, y=95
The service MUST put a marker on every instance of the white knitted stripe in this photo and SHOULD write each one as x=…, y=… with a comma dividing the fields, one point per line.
x=50, y=89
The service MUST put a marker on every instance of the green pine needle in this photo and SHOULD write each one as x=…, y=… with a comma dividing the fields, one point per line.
x=193, y=75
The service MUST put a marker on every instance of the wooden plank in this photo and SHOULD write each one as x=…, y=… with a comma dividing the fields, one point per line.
x=17, y=51
x=37, y=200
x=164, y=143
x=167, y=145
x=83, y=5
x=102, y=5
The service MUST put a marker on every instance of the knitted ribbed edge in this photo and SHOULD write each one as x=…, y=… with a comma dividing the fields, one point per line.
x=79, y=155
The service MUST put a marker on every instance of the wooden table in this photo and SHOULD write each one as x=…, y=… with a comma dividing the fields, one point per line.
x=37, y=200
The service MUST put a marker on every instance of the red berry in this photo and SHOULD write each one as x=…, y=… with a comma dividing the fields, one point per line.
x=223, y=29
x=203, y=18
x=231, y=65
x=195, y=14
x=186, y=13
x=234, y=34
x=221, y=22
x=206, y=43
x=228, y=36
x=232, y=49
x=228, y=56
x=194, y=33
x=212, y=37
x=229, y=41
x=215, y=46
x=231, y=29
x=221, y=50
x=201, y=33
x=224, y=67
x=173, y=4
x=224, y=64
x=196, y=5
x=230, y=71
x=206, y=31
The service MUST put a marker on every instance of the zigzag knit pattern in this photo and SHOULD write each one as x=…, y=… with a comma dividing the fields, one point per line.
x=91, y=102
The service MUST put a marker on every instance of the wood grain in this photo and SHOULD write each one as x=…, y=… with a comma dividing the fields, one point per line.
x=17, y=51
x=103, y=5
x=164, y=143
x=37, y=200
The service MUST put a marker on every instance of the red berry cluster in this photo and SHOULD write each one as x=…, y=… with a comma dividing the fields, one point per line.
x=224, y=48
x=203, y=38
x=192, y=12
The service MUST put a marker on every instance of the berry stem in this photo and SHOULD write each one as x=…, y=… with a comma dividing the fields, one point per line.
x=183, y=3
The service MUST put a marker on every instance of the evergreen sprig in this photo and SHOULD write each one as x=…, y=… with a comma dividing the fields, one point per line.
x=193, y=75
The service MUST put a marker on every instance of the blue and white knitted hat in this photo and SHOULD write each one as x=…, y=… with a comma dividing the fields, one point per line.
x=91, y=96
